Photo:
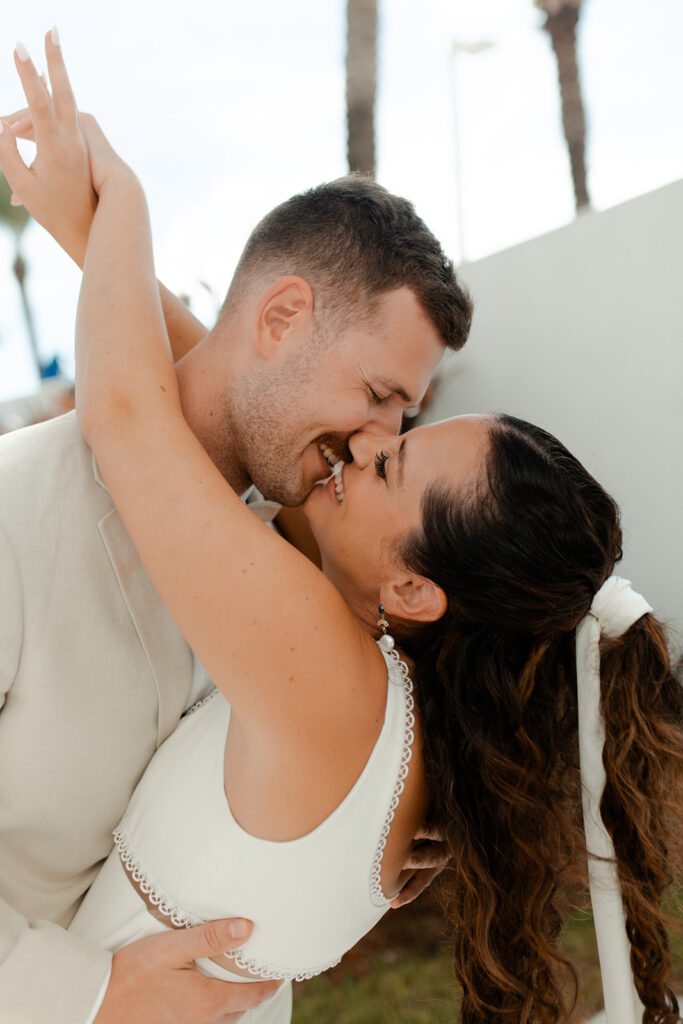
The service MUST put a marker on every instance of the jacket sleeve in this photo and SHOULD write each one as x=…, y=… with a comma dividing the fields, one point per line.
x=47, y=975
x=11, y=618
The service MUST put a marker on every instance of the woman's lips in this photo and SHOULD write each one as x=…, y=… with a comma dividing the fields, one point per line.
x=331, y=492
x=334, y=485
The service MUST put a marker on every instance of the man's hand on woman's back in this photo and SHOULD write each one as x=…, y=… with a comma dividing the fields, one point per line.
x=428, y=858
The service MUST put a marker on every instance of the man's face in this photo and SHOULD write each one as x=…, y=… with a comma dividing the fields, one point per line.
x=326, y=391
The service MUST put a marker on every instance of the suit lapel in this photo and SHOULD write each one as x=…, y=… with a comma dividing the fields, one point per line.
x=168, y=654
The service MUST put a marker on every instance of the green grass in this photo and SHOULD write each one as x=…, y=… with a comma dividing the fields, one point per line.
x=392, y=977
x=398, y=989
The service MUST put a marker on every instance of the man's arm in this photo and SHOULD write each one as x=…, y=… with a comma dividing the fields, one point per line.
x=11, y=617
x=50, y=975
x=46, y=974
x=36, y=957
x=184, y=329
x=428, y=858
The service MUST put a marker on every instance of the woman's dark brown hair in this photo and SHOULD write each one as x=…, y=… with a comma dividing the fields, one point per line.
x=520, y=559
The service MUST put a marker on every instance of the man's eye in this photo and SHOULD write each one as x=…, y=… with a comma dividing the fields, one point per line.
x=380, y=462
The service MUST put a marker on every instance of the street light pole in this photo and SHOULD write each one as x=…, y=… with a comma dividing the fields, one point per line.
x=458, y=46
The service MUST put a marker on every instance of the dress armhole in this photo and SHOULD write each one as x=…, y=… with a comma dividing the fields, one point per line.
x=398, y=676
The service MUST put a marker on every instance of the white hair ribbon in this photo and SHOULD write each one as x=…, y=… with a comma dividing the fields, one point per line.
x=614, y=609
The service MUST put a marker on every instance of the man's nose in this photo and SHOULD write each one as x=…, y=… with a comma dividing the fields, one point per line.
x=386, y=420
x=363, y=447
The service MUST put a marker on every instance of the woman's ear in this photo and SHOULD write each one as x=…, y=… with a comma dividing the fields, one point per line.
x=283, y=315
x=414, y=599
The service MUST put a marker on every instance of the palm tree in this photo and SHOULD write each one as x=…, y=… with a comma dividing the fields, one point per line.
x=562, y=17
x=361, y=83
x=16, y=219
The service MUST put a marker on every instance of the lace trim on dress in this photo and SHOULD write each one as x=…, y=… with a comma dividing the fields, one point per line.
x=200, y=703
x=144, y=884
x=398, y=675
x=180, y=919
x=268, y=971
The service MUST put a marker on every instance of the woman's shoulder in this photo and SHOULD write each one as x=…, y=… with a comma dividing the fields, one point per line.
x=290, y=783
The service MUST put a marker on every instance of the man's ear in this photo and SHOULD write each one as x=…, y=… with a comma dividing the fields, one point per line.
x=413, y=599
x=283, y=316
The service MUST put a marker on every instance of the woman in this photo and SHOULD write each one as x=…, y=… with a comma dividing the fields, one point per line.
x=476, y=547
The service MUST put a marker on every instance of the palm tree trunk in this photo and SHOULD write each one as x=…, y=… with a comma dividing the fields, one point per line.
x=561, y=27
x=361, y=84
x=19, y=268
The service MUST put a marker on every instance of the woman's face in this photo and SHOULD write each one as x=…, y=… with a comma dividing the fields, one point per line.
x=381, y=493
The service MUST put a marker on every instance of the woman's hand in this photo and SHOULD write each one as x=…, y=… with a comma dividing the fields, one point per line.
x=60, y=188
x=73, y=157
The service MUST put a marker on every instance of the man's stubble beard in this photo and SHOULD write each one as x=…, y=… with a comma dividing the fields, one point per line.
x=262, y=427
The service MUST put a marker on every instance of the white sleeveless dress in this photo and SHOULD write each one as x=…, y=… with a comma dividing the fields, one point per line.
x=179, y=846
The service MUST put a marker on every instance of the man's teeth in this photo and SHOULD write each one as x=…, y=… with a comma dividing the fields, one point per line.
x=338, y=482
x=329, y=455
x=336, y=466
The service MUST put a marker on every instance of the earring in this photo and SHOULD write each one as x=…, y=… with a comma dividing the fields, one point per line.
x=386, y=642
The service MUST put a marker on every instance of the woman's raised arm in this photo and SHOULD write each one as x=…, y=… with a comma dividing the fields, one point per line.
x=261, y=618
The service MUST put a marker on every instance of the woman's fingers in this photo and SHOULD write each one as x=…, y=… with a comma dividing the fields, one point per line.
x=13, y=167
x=21, y=124
x=23, y=129
x=62, y=93
x=39, y=101
x=17, y=115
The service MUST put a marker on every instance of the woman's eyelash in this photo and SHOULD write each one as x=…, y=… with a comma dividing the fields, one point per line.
x=380, y=461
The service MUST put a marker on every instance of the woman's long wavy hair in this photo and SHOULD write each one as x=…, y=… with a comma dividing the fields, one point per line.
x=520, y=559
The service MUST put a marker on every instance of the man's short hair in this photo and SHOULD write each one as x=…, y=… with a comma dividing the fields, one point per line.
x=352, y=240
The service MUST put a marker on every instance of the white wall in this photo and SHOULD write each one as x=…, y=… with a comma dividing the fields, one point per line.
x=581, y=331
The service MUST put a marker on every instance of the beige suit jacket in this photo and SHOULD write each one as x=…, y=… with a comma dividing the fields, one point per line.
x=94, y=675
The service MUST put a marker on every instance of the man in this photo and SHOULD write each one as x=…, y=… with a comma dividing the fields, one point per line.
x=336, y=318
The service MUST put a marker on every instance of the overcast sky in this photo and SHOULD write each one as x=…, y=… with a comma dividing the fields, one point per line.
x=226, y=108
